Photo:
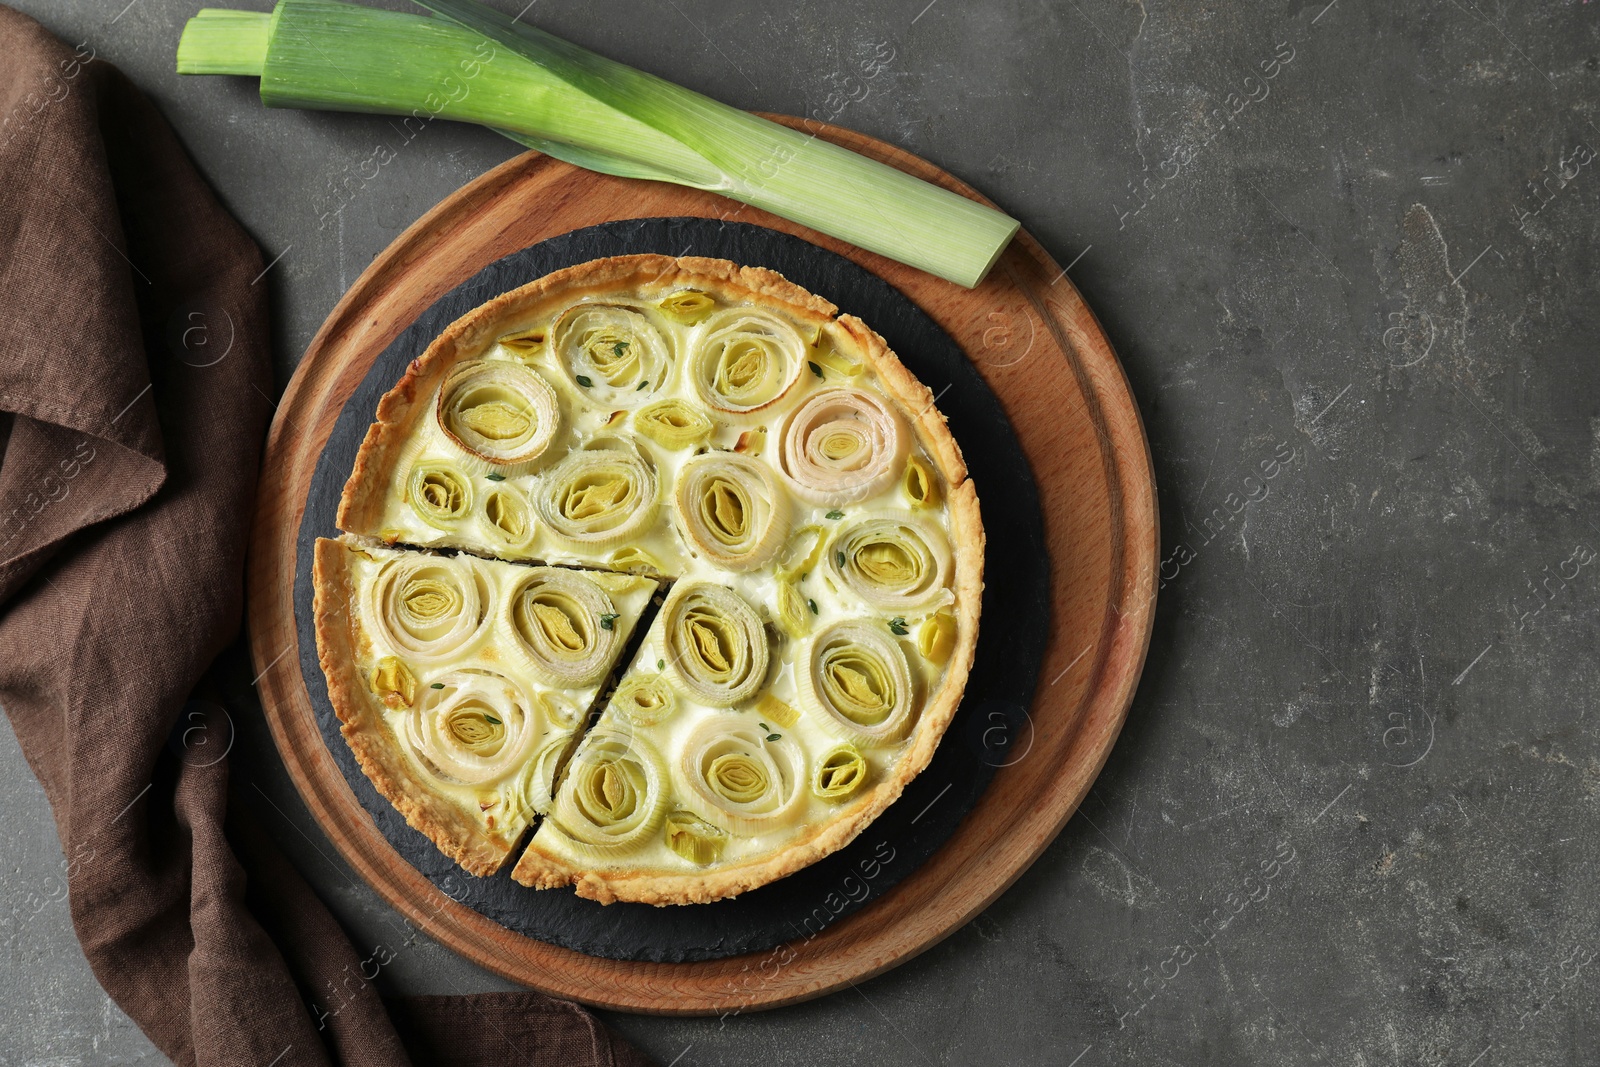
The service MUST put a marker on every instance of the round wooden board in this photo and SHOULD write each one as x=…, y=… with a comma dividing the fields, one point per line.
x=1039, y=348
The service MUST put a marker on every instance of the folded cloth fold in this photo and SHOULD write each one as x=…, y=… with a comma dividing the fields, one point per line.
x=134, y=395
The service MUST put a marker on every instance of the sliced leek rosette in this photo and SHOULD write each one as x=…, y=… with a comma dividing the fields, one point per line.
x=744, y=359
x=508, y=518
x=614, y=355
x=564, y=624
x=856, y=673
x=896, y=563
x=599, y=496
x=687, y=306
x=498, y=411
x=715, y=643
x=430, y=607
x=842, y=446
x=532, y=792
x=440, y=493
x=692, y=838
x=674, y=423
x=840, y=772
x=740, y=777
x=731, y=509
x=644, y=700
x=474, y=726
x=614, y=793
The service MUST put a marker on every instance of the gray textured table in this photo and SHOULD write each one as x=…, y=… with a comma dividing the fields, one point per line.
x=1353, y=817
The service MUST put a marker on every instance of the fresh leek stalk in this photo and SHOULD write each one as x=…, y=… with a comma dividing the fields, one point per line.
x=474, y=64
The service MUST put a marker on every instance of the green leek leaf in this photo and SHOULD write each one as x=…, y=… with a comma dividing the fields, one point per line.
x=474, y=64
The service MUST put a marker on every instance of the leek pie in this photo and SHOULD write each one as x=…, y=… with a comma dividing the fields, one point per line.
x=664, y=559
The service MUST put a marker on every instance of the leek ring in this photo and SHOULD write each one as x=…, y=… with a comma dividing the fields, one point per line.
x=715, y=643
x=632, y=559
x=780, y=712
x=687, y=306
x=731, y=509
x=644, y=701
x=694, y=839
x=936, y=639
x=804, y=549
x=524, y=344
x=507, y=518
x=440, y=493
x=793, y=614
x=745, y=359
x=394, y=683
x=841, y=771
x=842, y=446
x=674, y=424
x=615, y=356
x=920, y=484
x=858, y=675
x=499, y=411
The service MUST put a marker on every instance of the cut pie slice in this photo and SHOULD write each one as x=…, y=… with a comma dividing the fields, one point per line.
x=731, y=753
x=462, y=682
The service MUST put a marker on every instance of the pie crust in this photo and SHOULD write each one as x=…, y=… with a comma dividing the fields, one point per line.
x=798, y=492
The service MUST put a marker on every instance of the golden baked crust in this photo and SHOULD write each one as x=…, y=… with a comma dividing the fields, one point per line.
x=371, y=486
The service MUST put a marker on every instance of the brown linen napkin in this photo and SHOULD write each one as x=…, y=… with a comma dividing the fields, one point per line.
x=134, y=392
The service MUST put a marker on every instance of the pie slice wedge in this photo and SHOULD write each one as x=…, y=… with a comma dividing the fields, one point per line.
x=733, y=784
x=461, y=682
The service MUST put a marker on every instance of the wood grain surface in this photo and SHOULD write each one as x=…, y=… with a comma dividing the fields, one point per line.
x=1039, y=348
